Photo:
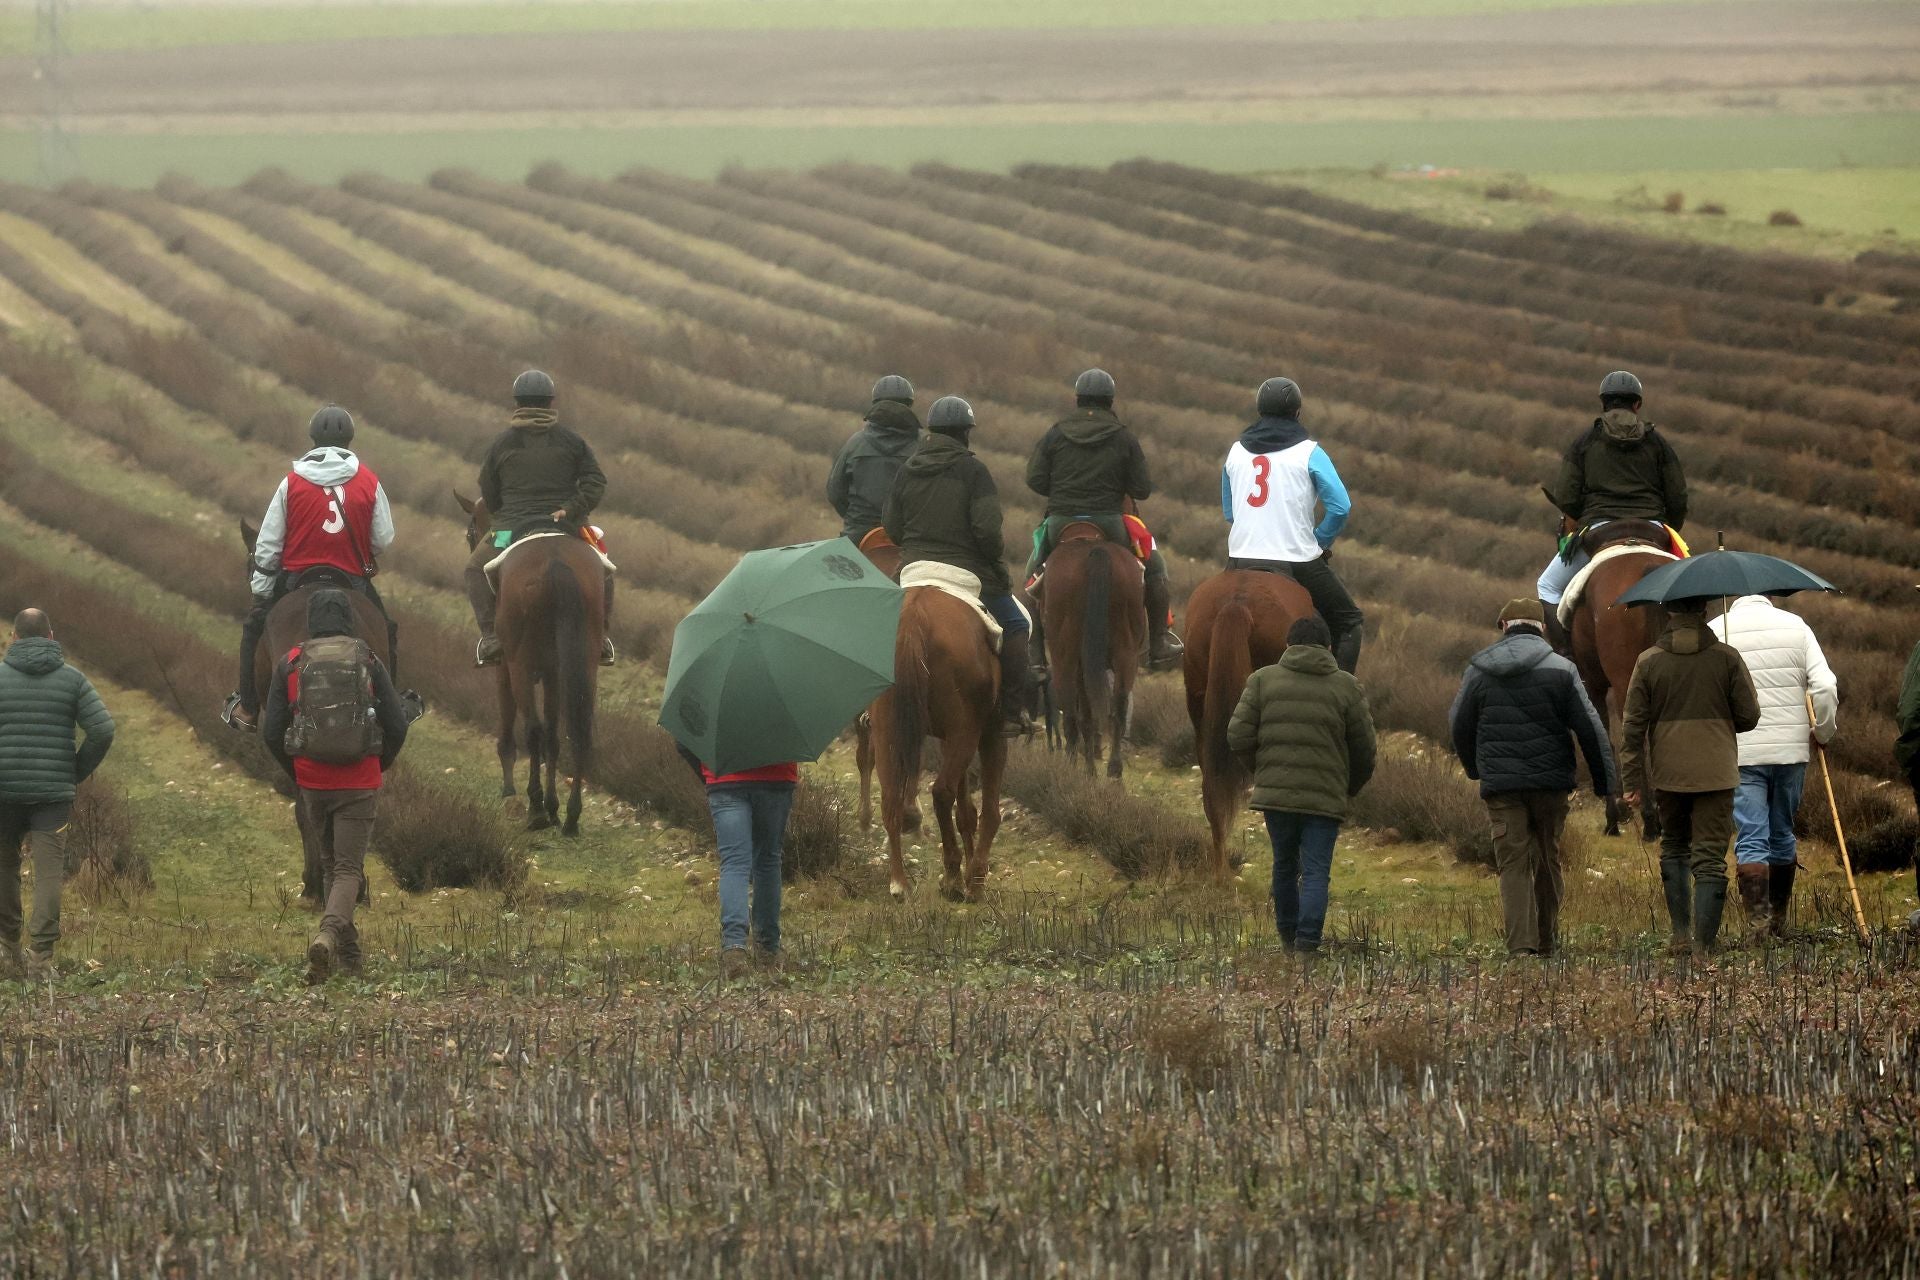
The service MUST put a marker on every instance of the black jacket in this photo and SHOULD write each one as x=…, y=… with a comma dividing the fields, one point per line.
x=1511, y=720
x=1623, y=469
x=1088, y=465
x=533, y=470
x=944, y=507
x=863, y=471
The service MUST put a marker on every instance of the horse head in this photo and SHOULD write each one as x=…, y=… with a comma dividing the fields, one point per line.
x=249, y=534
x=478, y=519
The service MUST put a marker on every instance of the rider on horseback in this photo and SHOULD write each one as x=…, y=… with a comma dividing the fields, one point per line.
x=1621, y=468
x=1087, y=467
x=329, y=512
x=864, y=470
x=537, y=474
x=944, y=507
x=1274, y=475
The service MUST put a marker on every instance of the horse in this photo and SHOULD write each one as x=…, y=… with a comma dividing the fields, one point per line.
x=946, y=685
x=287, y=627
x=1608, y=641
x=884, y=555
x=551, y=620
x=1094, y=614
x=1237, y=622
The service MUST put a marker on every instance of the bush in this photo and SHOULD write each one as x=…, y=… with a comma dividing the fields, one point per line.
x=1674, y=203
x=437, y=838
x=104, y=856
x=1783, y=218
x=1421, y=792
x=1711, y=209
x=816, y=841
x=1139, y=837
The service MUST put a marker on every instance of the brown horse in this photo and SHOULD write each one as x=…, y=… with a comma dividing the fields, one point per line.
x=1608, y=639
x=1237, y=622
x=551, y=620
x=287, y=627
x=880, y=552
x=1094, y=613
x=947, y=686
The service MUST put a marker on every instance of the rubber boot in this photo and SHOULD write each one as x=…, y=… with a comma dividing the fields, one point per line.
x=1755, y=882
x=1674, y=879
x=1779, y=893
x=1014, y=675
x=1163, y=647
x=1709, y=902
x=1346, y=649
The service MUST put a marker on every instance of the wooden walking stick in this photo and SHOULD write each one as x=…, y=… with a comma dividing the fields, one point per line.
x=1859, y=914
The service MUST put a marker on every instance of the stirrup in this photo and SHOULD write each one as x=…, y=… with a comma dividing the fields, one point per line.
x=414, y=704
x=482, y=656
x=234, y=717
x=607, y=655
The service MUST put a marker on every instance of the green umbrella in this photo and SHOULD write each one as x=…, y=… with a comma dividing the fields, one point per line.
x=788, y=649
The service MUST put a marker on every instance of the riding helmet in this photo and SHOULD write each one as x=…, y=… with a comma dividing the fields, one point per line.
x=950, y=414
x=533, y=387
x=331, y=425
x=1094, y=384
x=893, y=387
x=1620, y=383
x=1278, y=398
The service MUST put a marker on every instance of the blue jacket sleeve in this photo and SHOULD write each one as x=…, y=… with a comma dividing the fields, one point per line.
x=1333, y=496
x=1226, y=496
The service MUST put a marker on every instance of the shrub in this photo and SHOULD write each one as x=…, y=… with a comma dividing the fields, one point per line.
x=437, y=838
x=1783, y=218
x=1192, y=1042
x=103, y=847
x=1711, y=209
x=1139, y=837
x=1674, y=203
x=816, y=841
x=1421, y=792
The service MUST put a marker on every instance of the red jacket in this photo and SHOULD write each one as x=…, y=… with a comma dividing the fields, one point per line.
x=331, y=525
x=788, y=773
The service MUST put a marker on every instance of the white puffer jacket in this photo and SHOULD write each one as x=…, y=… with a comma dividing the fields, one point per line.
x=1786, y=664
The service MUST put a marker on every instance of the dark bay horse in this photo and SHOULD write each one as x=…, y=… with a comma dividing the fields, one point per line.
x=551, y=619
x=1237, y=622
x=1608, y=638
x=1094, y=613
x=946, y=686
x=287, y=627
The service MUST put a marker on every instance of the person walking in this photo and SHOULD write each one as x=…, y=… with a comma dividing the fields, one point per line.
x=1787, y=667
x=1303, y=730
x=336, y=724
x=43, y=702
x=1689, y=698
x=749, y=811
x=1520, y=711
x=863, y=471
x=1906, y=750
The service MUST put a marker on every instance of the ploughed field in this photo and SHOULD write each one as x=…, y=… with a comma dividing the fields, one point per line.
x=1113, y=1076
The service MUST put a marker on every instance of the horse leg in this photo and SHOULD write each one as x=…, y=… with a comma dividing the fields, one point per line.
x=552, y=721
x=537, y=819
x=863, y=760
x=1612, y=707
x=1217, y=798
x=993, y=764
x=505, y=746
x=897, y=783
x=1122, y=717
x=966, y=817
x=948, y=787
x=313, y=873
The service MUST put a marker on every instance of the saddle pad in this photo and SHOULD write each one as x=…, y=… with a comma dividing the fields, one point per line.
x=1578, y=587
x=957, y=583
x=493, y=565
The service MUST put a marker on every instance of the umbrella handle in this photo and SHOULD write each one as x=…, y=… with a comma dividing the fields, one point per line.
x=1846, y=862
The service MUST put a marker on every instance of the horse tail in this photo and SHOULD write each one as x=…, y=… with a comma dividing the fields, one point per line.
x=1096, y=640
x=1229, y=664
x=572, y=654
x=910, y=714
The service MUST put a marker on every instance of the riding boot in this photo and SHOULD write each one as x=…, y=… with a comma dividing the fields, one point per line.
x=1014, y=674
x=607, y=656
x=1779, y=894
x=480, y=596
x=1163, y=647
x=1709, y=901
x=1037, y=642
x=1346, y=649
x=1755, y=883
x=1556, y=634
x=1674, y=879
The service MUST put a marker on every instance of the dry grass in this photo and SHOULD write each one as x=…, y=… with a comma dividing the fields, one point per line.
x=105, y=859
x=432, y=838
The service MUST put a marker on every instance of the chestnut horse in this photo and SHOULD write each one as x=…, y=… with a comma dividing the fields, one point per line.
x=1608, y=639
x=1237, y=622
x=946, y=686
x=1094, y=612
x=287, y=627
x=551, y=619
x=883, y=555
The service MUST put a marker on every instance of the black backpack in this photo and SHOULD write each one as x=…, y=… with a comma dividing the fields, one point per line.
x=335, y=720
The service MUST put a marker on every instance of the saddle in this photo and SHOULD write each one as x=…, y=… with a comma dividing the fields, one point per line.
x=324, y=575
x=1594, y=538
x=1279, y=567
x=549, y=530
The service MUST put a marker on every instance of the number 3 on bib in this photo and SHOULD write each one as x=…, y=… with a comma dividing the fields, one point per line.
x=1261, y=466
x=335, y=521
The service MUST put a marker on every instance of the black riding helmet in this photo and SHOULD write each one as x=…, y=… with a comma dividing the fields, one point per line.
x=1094, y=388
x=533, y=388
x=893, y=387
x=330, y=426
x=1278, y=398
x=1620, y=389
x=950, y=416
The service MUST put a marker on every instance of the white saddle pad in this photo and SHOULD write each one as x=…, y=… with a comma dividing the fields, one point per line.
x=493, y=565
x=961, y=585
x=1570, y=602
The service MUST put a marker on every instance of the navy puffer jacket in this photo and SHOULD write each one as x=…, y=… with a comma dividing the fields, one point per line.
x=1512, y=719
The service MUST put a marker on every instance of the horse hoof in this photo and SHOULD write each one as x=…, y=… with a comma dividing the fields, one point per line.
x=572, y=829
x=538, y=821
x=898, y=890
x=951, y=891
x=910, y=820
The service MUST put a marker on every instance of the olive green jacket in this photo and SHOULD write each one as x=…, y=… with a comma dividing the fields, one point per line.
x=1304, y=730
x=1689, y=698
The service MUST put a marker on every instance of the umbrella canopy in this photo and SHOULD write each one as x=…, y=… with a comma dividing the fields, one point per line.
x=788, y=649
x=1723, y=573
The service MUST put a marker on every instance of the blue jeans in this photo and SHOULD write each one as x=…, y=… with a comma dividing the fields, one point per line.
x=1302, y=866
x=1763, y=809
x=749, y=822
x=1006, y=613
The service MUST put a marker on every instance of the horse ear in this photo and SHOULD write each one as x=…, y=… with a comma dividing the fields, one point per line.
x=248, y=533
x=466, y=504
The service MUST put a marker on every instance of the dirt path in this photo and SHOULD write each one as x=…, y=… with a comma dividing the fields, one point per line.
x=1763, y=45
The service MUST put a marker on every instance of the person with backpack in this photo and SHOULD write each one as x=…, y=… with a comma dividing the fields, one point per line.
x=329, y=512
x=43, y=703
x=336, y=724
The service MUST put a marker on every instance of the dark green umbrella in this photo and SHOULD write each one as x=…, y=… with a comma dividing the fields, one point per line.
x=1724, y=574
x=788, y=649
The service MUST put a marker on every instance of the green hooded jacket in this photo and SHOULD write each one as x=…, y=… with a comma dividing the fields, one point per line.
x=1089, y=465
x=43, y=701
x=1690, y=696
x=1623, y=469
x=537, y=467
x=944, y=507
x=1906, y=749
x=1304, y=729
x=864, y=470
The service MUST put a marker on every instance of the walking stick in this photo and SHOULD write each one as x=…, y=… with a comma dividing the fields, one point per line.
x=1846, y=862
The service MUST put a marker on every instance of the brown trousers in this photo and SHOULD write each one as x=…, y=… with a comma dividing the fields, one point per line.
x=343, y=823
x=1526, y=851
x=1696, y=828
x=46, y=826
